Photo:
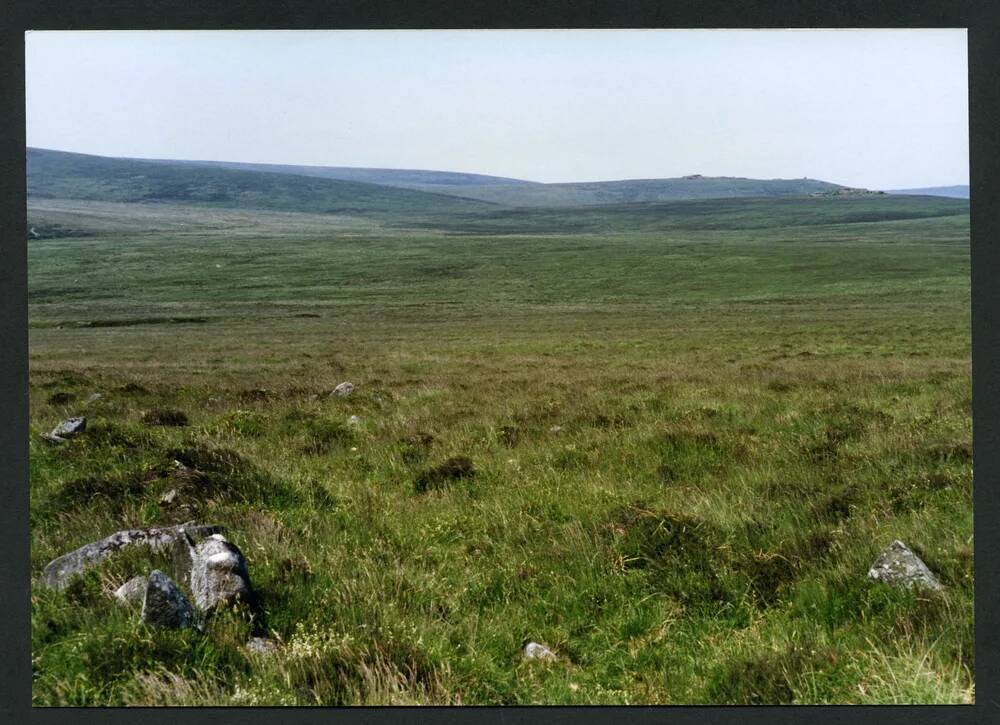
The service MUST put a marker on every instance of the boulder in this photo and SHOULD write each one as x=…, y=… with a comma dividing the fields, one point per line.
x=133, y=591
x=164, y=604
x=69, y=428
x=899, y=566
x=343, y=390
x=58, y=572
x=219, y=574
x=535, y=651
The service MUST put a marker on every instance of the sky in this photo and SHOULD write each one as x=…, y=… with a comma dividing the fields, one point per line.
x=879, y=109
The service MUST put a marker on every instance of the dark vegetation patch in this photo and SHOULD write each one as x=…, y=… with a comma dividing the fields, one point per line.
x=771, y=572
x=770, y=678
x=167, y=417
x=132, y=321
x=687, y=453
x=132, y=388
x=245, y=423
x=414, y=449
x=61, y=398
x=64, y=379
x=679, y=553
x=322, y=435
x=110, y=434
x=453, y=469
x=224, y=474
x=607, y=421
x=110, y=492
x=838, y=505
x=960, y=452
x=254, y=395
x=55, y=231
x=509, y=435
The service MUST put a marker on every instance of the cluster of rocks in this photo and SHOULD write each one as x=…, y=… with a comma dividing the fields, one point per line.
x=213, y=568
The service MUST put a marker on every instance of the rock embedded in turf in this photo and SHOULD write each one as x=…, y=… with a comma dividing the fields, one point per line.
x=535, y=651
x=52, y=440
x=219, y=574
x=899, y=566
x=59, y=571
x=164, y=605
x=69, y=428
x=262, y=646
x=169, y=497
x=354, y=420
x=132, y=591
x=343, y=390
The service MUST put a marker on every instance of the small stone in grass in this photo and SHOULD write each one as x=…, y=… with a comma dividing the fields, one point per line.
x=535, y=651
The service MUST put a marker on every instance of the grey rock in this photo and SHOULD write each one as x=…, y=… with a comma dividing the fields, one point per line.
x=354, y=420
x=535, y=651
x=262, y=646
x=53, y=439
x=70, y=427
x=133, y=591
x=343, y=390
x=58, y=572
x=169, y=497
x=556, y=429
x=219, y=574
x=899, y=566
x=164, y=604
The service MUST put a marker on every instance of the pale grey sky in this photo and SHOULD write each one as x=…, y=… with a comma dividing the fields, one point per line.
x=881, y=109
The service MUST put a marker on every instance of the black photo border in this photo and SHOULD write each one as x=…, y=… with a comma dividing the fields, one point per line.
x=980, y=17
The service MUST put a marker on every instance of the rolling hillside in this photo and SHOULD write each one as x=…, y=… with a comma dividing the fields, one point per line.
x=403, y=178
x=57, y=174
x=638, y=190
x=62, y=175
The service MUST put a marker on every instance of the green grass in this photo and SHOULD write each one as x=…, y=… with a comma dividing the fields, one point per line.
x=753, y=402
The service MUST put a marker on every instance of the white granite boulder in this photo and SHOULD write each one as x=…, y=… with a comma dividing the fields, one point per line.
x=219, y=574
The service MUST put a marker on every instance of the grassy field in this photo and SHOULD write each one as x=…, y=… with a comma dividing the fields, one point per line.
x=693, y=426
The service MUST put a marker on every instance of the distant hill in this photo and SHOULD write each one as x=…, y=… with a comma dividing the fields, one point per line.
x=404, y=178
x=518, y=192
x=63, y=175
x=959, y=191
x=397, y=193
x=640, y=190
